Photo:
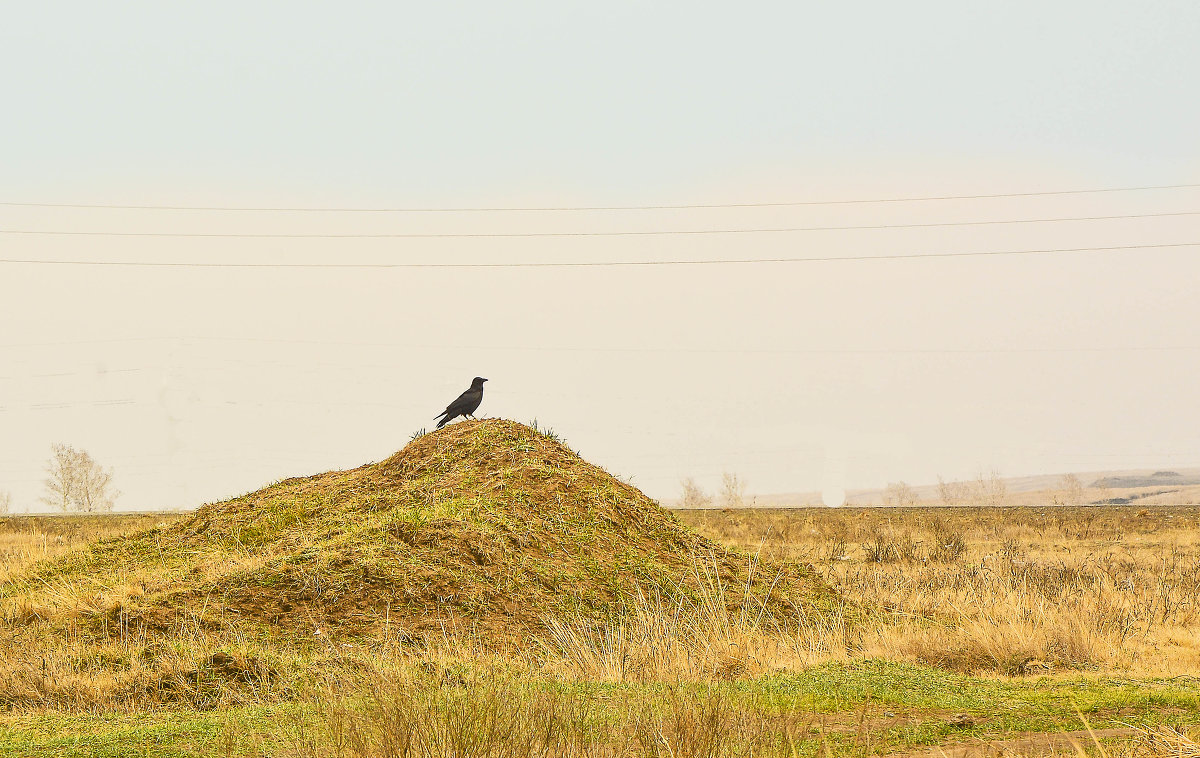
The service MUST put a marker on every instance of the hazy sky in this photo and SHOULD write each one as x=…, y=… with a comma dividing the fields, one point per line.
x=196, y=384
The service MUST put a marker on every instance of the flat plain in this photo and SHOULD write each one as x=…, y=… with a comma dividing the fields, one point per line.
x=814, y=631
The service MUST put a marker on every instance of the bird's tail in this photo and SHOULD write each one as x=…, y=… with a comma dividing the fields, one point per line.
x=442, y=422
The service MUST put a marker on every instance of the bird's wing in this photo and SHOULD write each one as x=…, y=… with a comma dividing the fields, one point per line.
x=461, y=403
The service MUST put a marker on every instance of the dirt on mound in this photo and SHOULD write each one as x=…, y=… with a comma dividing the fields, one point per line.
x=486, y=527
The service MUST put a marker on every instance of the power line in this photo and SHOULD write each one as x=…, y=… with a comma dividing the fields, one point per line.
x=290, y=365
x=59, y=374
x=623, y=233
x=109, y=340
x=705, y=351
x=681, y=206
x=593, y=264
x=224, y=363
x=74, y=404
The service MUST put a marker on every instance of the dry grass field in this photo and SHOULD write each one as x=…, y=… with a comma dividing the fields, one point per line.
x=1011, y=590
x=485, y=592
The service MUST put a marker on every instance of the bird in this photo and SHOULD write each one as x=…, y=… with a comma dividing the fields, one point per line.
x=466, y=403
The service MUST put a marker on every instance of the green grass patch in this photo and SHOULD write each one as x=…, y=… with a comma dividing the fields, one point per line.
x=836, y=709
x=154, y=734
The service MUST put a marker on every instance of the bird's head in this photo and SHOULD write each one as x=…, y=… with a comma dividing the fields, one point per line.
x=477, y=383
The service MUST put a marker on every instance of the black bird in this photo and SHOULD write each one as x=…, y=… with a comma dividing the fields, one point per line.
x=466, y=403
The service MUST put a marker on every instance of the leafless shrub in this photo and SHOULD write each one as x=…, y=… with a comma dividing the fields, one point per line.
x=899, y=494
x=693, y=496
x=989, y=489
x=1070, y=491
x=953, y=493
x=733, y=490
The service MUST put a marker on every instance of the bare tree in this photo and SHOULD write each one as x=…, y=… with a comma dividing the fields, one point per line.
x=733, y=490
x=59, y=478
x=899, y=493
x=693, y=496
x=953, y=493
x=989, y=489
x=75, y=482
x=5, y=502
x=1070, y=490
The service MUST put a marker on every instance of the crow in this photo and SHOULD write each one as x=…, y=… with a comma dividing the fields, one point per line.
x=466, y=403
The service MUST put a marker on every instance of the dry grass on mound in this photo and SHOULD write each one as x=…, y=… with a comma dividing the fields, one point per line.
x=488, y=531
x=488, y=526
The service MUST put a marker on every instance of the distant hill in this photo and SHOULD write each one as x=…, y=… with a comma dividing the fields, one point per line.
x=1157, y=479
x=1151, y=486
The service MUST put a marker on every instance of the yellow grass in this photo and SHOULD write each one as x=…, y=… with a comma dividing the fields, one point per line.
x=1016, y=592
x=487, y=592
x=1012, y=590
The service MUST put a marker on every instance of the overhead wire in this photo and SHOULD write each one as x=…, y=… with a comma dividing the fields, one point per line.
x=618, y=233
x=592, y=264
x=564, y=349
x=656, y=232
x=58, y=374
x=679, y=206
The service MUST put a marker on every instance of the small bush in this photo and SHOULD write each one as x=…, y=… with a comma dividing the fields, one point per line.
x=891, y=548
x=948, y=544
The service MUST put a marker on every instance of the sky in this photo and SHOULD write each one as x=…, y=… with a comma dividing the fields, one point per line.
x=199, y=382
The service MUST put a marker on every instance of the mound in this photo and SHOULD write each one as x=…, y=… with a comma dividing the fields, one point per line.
x=488, y=527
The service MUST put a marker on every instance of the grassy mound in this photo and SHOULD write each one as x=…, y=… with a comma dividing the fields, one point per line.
x=484, y=527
